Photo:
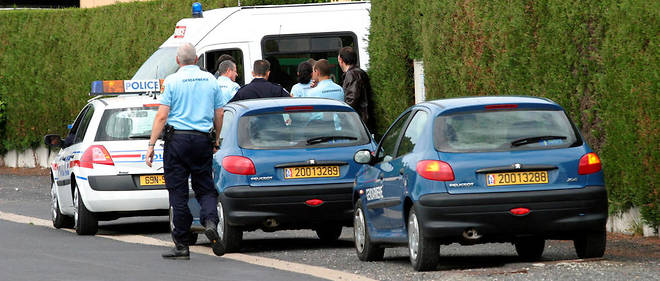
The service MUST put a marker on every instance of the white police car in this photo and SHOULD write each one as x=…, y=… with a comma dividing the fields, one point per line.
x=100, y=173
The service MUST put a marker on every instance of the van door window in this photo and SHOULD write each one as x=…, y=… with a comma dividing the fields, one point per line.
x=212, y=62
x=285, y=52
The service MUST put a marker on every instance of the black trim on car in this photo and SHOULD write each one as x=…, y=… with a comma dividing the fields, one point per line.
x=512, y=168
x=63, y=182
x=308, y=163
x=119, y=183
x=384, y=203
x=288, y=190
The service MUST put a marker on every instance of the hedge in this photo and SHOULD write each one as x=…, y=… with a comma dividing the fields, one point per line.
x=598, y=59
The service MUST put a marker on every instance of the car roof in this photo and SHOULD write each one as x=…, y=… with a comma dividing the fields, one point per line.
x=125, y=101
x=472, y=103
x=278, y=104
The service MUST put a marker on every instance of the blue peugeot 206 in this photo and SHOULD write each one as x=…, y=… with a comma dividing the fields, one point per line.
x=286, y=163
x=479, y=170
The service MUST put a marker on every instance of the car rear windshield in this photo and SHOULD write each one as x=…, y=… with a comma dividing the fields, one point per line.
x=126, y=124
x=504, y=131
x=301, y=130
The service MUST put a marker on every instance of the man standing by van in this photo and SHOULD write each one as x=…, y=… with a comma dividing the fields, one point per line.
x=260, y=87
x=357, y=88
x=325, y=87
x=191, y=105
x=227, y=80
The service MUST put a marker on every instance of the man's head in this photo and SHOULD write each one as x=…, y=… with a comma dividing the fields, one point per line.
x=222, y=58
x=261, y=69
x=228, y=69
x=347, y=58
x=321, y=70
x=185, y=55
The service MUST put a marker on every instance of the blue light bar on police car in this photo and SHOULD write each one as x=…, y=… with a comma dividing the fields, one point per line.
x=125, y=87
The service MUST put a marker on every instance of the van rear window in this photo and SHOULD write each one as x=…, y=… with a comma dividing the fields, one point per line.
x=301, y=130
x=504, y=130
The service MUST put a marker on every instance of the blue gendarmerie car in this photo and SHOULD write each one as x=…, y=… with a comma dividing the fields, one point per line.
x=479, y=170
x=286, y=163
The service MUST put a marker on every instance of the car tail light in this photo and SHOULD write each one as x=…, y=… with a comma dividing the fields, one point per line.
x=435, y=170
x=299, y=108
x=519, y=211
x=95, y=154
x=501, y=106
x=238, y=165
x=589, y=164
x=314, y=202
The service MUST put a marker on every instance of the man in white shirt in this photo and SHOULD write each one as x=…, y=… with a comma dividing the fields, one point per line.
x=226, y=80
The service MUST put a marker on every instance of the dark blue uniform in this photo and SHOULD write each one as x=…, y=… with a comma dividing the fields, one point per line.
x=260, y=88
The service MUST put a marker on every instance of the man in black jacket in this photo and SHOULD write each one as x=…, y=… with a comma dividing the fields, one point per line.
x=357, y=89
x=260, y=87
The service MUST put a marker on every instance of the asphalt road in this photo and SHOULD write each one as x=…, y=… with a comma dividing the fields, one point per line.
x=68, y=255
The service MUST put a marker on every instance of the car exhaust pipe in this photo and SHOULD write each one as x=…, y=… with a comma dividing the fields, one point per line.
x=271, y=223
x=471, y=234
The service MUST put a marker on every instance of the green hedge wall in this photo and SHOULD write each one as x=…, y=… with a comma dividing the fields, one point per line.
x=598, y=59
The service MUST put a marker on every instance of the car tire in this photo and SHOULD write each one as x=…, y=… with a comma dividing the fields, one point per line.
x=424, y=251
x=591, y=245
x=530, y=248
x=59, y=220
x=192, y=238
x=231, y=237
x=329, y=233
x=365, y=249
x=85, y=222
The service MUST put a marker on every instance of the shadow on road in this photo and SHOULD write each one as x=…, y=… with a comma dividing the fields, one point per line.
x=279, y=244
x=135, y=228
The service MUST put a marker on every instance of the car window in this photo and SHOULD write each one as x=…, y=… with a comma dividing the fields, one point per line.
x=126, y=123
x=84, y=124
x=413, y=133
x=212, y=62
x=301, y=130
x=388, y=143
x=504, y=131
x=227, y=118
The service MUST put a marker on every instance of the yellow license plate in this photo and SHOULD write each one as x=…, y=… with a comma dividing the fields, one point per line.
x=152, y=180
x=514, y=178
x=311, y=172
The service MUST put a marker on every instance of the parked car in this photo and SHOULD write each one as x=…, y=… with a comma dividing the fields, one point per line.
x=286, y=163
x=479, y=170
x=99, y=172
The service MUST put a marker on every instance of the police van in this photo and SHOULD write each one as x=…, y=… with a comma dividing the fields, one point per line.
x=285, y=35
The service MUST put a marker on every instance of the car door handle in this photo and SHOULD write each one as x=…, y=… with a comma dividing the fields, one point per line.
x=402, y=171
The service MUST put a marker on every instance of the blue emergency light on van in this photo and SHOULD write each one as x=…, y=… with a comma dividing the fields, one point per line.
x=197, y=10
x=121, y=87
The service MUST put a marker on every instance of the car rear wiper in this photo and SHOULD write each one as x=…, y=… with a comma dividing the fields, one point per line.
x=529, y=140
x=328, y=138
x=146, y=137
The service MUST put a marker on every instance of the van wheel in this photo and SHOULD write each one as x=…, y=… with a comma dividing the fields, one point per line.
x=192, y=238
x=591, y=245
x=424, y=251
x=59, y=220
x=530, y=248
x=329, y=233
x=84, y=221
x=230, y=236
x=365, y=249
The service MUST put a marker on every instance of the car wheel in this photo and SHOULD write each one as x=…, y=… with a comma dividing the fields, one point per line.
x=366, y=250
x=591, y=245
x=424, y=251
x=84, y=221
x=192, y=238
x=329, y=233
x=530, y=248
x=230, y=236
x=59, y=220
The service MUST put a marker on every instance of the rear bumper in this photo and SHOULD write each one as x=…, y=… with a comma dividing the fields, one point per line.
x=554, y=214
x=250, y=207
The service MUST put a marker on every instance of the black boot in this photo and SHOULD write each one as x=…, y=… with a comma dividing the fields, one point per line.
x=179, y=252
x=212, y=234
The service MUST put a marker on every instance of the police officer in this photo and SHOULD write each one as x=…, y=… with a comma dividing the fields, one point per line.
x=260, y=87
x=325, y=88
x=191, y=106
x=228, y=86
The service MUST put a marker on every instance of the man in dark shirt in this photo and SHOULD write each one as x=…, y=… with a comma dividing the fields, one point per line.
x=357, y=89
x=260, y=87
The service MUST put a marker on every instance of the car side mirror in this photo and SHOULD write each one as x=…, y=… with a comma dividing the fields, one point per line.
x=53, y=140
x=363, y=157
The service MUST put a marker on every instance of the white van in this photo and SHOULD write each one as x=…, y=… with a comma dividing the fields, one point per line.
x=285, y=35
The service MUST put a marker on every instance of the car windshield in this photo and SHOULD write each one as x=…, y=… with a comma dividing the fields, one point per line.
x=159, y=65
x=301, y=130
x=126, y=124
x=504, y=131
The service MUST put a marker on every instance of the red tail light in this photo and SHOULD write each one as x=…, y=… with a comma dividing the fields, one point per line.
x=589, y=164
x=435, y=170
x=501, y=106
x=519, y=211
x=314, y=202
x=95, y=154
x=238, y=165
